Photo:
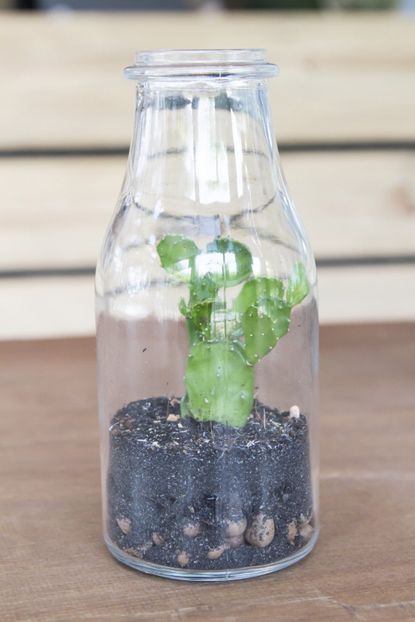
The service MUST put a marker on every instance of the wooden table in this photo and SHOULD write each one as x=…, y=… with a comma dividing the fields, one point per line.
x=55, y=568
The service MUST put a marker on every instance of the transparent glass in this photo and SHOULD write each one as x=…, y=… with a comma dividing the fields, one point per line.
x=207, y=332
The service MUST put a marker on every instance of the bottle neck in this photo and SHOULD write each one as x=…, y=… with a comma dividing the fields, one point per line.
x=203, y=146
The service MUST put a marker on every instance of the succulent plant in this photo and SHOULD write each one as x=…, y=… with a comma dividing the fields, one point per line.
x=229, y=330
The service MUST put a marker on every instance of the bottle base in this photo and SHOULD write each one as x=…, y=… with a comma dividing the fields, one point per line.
x=232, y=574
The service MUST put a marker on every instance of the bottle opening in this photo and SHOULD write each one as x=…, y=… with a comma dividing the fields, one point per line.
x=217, y=64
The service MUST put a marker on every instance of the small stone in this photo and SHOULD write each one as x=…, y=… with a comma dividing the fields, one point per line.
x=235, y=527
x=261, y=532
x=216, y=552
x=235, y=541
x=157, y=538
x=124, y=524
x=139, y=550
x=183, y=559
x=294, y=412
x=292, y=531
x=191, y=530
x=306, y=531
x=173, y=417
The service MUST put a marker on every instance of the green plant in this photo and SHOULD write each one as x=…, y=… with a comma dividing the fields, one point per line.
x=228, y=333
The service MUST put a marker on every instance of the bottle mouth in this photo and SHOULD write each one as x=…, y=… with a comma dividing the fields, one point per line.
x=216, y=64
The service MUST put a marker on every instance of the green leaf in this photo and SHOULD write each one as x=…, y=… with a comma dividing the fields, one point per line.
x=177, y=255
x=193, y=334
x=228, y=262
x=258, y=291
x=265, y=315
x=298, y=286
x=219, y=383
x=199, y=310
x=183, y=308
x=280, y=314
x=203, y=289
x=261, y=331
x=259, y=334
x=200, y=315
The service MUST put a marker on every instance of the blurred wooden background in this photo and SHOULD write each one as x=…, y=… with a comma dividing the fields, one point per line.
x=343, y=109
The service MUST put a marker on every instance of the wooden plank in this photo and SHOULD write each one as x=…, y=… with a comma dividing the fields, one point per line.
x=355, y=203
x=343, y=77
x=59, y=215
x=378, y=293
x=52, y=307
x=48, y=307
x=351, y=204
x=56, y=569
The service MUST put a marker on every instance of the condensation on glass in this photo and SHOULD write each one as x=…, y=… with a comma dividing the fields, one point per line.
x=207, y=331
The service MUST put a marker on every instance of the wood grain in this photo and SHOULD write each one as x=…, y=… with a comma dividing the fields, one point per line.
x=351, y=204
x=53, y=307
x=339, y=81
x=55, y=568
x=342, y=77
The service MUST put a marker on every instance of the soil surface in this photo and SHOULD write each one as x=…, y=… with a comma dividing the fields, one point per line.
x=202, y=495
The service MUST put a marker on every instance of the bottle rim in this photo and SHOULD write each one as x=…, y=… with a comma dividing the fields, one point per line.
x=218, y=64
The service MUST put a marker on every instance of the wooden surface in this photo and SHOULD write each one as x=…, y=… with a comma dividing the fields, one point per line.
x=345, y=80
x=342, y=77
x=54, y=567
x=351, y=204
x=64, y=306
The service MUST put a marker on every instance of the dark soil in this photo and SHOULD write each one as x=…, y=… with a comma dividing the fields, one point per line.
x=201, y=495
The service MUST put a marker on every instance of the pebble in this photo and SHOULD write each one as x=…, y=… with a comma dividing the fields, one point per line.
x=306, y=531
x=173, y=417
x=183, y=559
x=216, y=552
x=235, y=527
x=191, y=530
x=261, y=532
x=292, y=531
x=294, y=412
x=139, y=550
x=124, y=524
x=157, y=538
x=133, y=552
x=235, y=541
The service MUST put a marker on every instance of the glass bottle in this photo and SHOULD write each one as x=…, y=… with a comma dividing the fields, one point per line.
x=207, y=332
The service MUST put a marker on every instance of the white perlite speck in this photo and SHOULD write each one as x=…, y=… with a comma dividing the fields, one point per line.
x=294, y=412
